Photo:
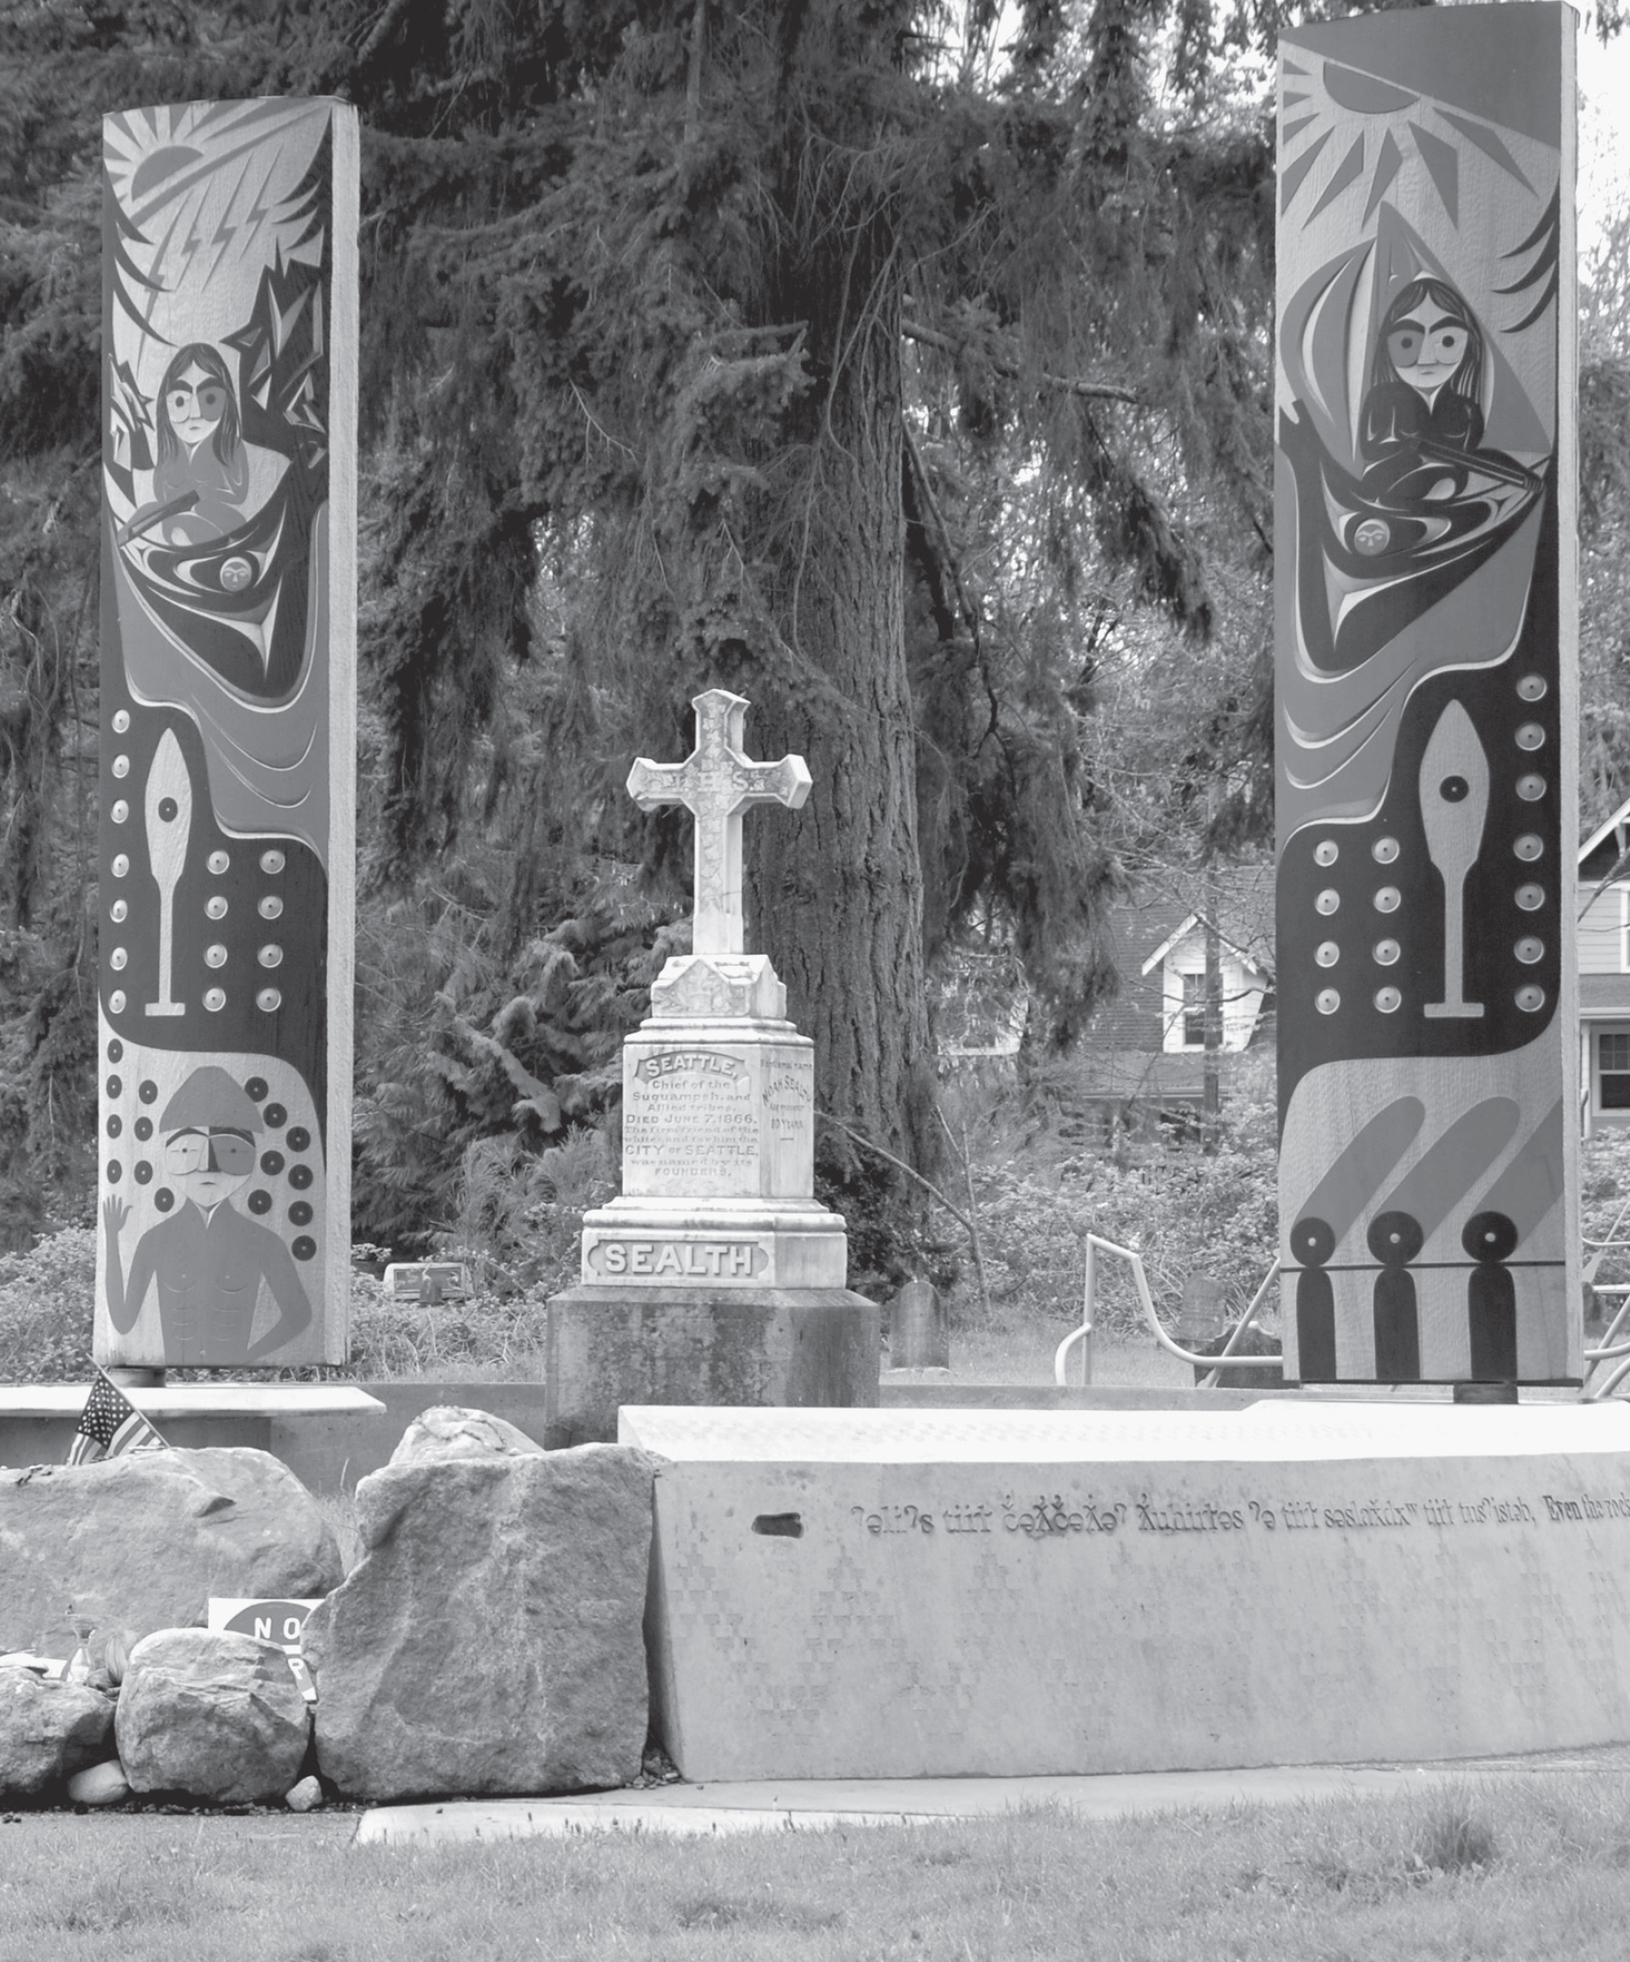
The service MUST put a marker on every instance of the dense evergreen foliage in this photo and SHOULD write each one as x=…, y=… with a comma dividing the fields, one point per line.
x=903, y=368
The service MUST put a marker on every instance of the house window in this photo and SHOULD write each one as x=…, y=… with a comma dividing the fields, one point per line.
x=1194, y=1011
x=1613, y=1072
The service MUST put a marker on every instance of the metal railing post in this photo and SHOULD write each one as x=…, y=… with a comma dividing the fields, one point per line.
x=1083, y=1334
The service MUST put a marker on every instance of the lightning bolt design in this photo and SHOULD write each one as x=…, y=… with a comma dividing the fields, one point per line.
x=226, y=231
x=195, y=236
x=259, y=212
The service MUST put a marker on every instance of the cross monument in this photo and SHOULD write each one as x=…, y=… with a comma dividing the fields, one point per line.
x=715, y=1276
x=716, y=783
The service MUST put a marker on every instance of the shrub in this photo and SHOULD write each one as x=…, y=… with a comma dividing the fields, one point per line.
x=46, y=1300
x=1185, y=1211
x=1604, y=1191
x=491, y=1333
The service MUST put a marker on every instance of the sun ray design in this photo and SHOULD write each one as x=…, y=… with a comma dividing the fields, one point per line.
x=1295, y=172
x=1349, y=171
x=1344, y=91
x=1442, y=166
x=1389, y=161
x=1491, y=145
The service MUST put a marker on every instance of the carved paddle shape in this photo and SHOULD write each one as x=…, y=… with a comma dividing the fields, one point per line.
x=1454, y=806
x=169, y=824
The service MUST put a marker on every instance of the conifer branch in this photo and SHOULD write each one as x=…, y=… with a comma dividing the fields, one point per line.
x=383, y=29
x=1088, y=391
x=934, y=523
x=693, y=81
x=899, y=1164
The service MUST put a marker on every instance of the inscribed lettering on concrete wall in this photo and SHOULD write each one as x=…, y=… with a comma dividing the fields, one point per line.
x=228, y=715
x=1424, y=503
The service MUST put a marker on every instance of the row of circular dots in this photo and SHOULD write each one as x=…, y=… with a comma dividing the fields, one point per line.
x=272, y=1162
x=270, y=908
x=1529, y=896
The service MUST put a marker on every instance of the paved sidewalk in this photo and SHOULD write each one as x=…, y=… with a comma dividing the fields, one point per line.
x=814, y=1804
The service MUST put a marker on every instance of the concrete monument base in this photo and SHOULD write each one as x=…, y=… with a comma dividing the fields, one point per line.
x=942, y=1593
x=608, y=1346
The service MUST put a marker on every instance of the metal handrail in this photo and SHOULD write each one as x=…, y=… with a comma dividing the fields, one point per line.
x=1213, y=1365
x=1614, y=1347
x=1607, y=1240
x=1610, y=1350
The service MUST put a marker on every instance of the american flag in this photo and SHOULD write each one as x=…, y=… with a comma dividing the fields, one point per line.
x=110, y=1425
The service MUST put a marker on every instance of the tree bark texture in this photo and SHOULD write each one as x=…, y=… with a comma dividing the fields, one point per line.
x=835, y=895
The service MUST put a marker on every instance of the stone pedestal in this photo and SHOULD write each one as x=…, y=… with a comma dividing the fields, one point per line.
x=716, y=1277
x=791, y=1347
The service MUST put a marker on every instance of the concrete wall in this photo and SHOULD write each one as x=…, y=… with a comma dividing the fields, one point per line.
x=331, y=1453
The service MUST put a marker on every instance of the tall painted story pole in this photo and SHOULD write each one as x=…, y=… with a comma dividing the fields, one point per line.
x=1426, y=697
x=228, y=686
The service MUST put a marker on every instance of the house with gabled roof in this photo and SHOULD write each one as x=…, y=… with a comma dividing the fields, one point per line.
x=1604, y=974
x=1142, y=1058
x=1143, y=1054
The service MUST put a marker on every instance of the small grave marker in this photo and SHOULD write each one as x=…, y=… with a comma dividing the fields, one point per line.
x=428, y=1281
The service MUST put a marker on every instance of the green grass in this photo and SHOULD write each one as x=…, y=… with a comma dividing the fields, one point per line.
x=1023, y=1353
x=1517, y=1870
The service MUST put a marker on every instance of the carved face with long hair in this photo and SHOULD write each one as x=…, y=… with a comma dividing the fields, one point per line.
x=1429, y=341
x=197, y=401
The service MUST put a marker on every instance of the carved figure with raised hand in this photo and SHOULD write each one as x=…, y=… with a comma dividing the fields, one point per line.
x=209, y=1261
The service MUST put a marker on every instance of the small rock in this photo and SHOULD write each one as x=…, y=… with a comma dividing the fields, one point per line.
x=48, y=1731
x=99, y=1784
x=214, y=1715
x=446, y=1431
x=305, y=1797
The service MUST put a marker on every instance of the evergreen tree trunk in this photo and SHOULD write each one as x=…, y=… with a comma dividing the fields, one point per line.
x=835, y=896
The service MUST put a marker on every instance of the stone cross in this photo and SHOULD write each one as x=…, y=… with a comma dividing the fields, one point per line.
x=715, y=783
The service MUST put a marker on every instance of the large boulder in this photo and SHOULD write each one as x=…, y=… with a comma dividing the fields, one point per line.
x=48, y=1731
x=489, y=1638
x=142, y=1541
x=215, y=1716
x=446, y=1431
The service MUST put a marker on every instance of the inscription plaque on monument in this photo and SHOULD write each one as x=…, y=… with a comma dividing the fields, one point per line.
x=725, y=1120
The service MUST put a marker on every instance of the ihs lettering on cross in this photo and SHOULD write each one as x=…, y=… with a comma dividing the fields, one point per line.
x=716, y=783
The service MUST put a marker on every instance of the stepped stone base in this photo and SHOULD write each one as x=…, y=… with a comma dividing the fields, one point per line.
x=789, y=1347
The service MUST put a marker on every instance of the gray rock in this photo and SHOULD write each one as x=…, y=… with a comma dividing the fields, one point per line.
x=141, y=1542
x=489, y=1640
x=215, y=1716
x=99, y=1784
x=307, y=1796
x=48, y=1731
x=446, y=1431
